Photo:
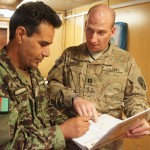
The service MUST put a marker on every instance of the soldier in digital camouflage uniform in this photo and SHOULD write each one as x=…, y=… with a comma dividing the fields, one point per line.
x=31, y=121
x=100, y=73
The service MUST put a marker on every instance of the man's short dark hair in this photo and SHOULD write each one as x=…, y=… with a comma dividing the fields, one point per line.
x=30, y=15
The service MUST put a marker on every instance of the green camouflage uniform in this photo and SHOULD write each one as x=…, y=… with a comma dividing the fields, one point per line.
x=113, y=82
x=32, y=121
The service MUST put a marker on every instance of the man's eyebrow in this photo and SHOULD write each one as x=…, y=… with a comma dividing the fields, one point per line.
x=45, y=42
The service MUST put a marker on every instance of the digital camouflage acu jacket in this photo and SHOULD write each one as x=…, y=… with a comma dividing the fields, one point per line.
x=113, y=82
x=31, y=122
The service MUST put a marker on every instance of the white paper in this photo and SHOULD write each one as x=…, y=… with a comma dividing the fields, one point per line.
x=107, y=129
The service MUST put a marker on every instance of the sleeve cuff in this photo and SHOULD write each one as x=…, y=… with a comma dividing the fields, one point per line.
x=59, y=141
x=68, y=99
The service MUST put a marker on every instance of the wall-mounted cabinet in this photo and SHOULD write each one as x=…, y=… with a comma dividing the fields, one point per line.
x=4, y=33
x=3, y=37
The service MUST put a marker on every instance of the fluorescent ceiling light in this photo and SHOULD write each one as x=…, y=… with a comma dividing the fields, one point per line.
x=25, y=1
x=6, y=13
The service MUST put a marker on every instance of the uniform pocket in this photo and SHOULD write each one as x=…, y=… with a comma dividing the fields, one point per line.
x=4, y=129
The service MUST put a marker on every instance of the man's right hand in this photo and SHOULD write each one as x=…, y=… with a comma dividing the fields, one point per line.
x=85, y=108
x=75, y=127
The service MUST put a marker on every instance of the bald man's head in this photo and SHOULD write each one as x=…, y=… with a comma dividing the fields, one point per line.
x=99, y=27
x=102, y=9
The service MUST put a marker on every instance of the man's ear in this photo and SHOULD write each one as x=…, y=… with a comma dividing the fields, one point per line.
x=113, y=30
x=85, y=24
x=20, y=32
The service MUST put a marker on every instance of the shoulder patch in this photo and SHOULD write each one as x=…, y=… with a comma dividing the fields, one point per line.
x=142, y=82
x=4, y=105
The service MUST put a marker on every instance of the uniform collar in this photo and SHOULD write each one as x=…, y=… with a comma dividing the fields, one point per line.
x=82, y=55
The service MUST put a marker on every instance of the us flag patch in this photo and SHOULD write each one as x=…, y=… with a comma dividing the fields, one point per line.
x=4, y=105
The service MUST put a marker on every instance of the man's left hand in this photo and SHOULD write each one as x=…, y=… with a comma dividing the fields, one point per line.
x=139, y=129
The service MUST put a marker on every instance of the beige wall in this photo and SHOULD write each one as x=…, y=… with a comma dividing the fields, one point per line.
x=138, y=19
x=3, y=37
x=56, y=50
x=114, y=2
x=4, y=24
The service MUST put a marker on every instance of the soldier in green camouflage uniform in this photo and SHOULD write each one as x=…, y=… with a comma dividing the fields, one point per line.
x=30, y=115
x=31, y=122
x=106, y=76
